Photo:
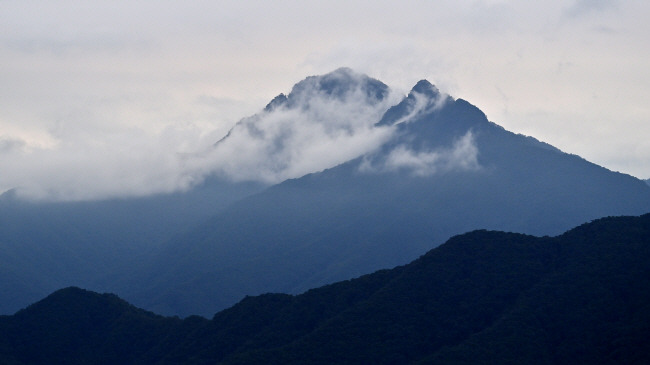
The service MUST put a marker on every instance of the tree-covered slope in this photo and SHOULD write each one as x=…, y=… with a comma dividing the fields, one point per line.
x=483, y=297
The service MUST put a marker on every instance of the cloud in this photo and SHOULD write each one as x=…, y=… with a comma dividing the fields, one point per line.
x=325, y=122
x=316, y=129
x=125, y=164
x=419, y=103
x=461, y=156
x=8, y=145
x=583, y=7
x=111, y=76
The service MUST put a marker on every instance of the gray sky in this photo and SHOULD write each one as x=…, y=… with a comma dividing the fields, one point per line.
x=99, y=98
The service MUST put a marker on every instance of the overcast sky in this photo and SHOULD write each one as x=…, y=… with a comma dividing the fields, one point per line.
x=107, y=94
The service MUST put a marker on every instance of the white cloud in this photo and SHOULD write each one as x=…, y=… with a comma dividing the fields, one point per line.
x=120, y=165
x=318, y=132
x=94, y=161
x=421, y=104
x=461, y=156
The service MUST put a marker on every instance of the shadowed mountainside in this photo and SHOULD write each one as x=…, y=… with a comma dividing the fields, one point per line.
x=398, y=178
x=483, y=297
x=445, y=170
x=95, y=244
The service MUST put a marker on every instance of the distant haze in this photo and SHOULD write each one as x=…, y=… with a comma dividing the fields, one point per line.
x=107, y=99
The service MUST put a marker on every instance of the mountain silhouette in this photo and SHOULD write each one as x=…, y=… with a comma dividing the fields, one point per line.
x=95, y=244
x=484, y=297
x=446, y=169
x=338, y=178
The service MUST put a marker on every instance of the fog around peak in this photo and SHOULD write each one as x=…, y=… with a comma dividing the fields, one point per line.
x=324, y=121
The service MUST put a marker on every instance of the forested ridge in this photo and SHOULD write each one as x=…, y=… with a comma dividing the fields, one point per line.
x=484, y=297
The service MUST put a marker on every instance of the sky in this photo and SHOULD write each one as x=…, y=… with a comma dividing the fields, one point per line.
x=108, y=98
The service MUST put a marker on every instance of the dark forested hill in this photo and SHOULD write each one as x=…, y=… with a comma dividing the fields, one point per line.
x=483, y=297
x=445, y=170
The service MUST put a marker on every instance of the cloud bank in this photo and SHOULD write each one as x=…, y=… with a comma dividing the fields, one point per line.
x=323, y=122
x=121, y=165
x=319, y=126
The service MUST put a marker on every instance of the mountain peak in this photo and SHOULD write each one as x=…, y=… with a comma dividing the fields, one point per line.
x=424, y=97
x=339, y=84
x=425, y=87
x=67, y=300
x=276, y=102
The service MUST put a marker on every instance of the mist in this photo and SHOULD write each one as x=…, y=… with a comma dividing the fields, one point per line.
x=318, y=130
x=313, y=131
x=461, y=156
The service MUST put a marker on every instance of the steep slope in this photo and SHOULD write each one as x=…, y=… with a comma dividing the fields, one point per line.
x=482, y=298
x=444, y=170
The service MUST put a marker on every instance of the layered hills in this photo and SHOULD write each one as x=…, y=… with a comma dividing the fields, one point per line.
x=338, y=178
x=484, y=297
x=95, y=244
x=442, y=169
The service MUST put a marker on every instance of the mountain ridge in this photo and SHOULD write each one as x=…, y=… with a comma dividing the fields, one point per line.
x=444, y=171
x=395, y=177
x=483, y=297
